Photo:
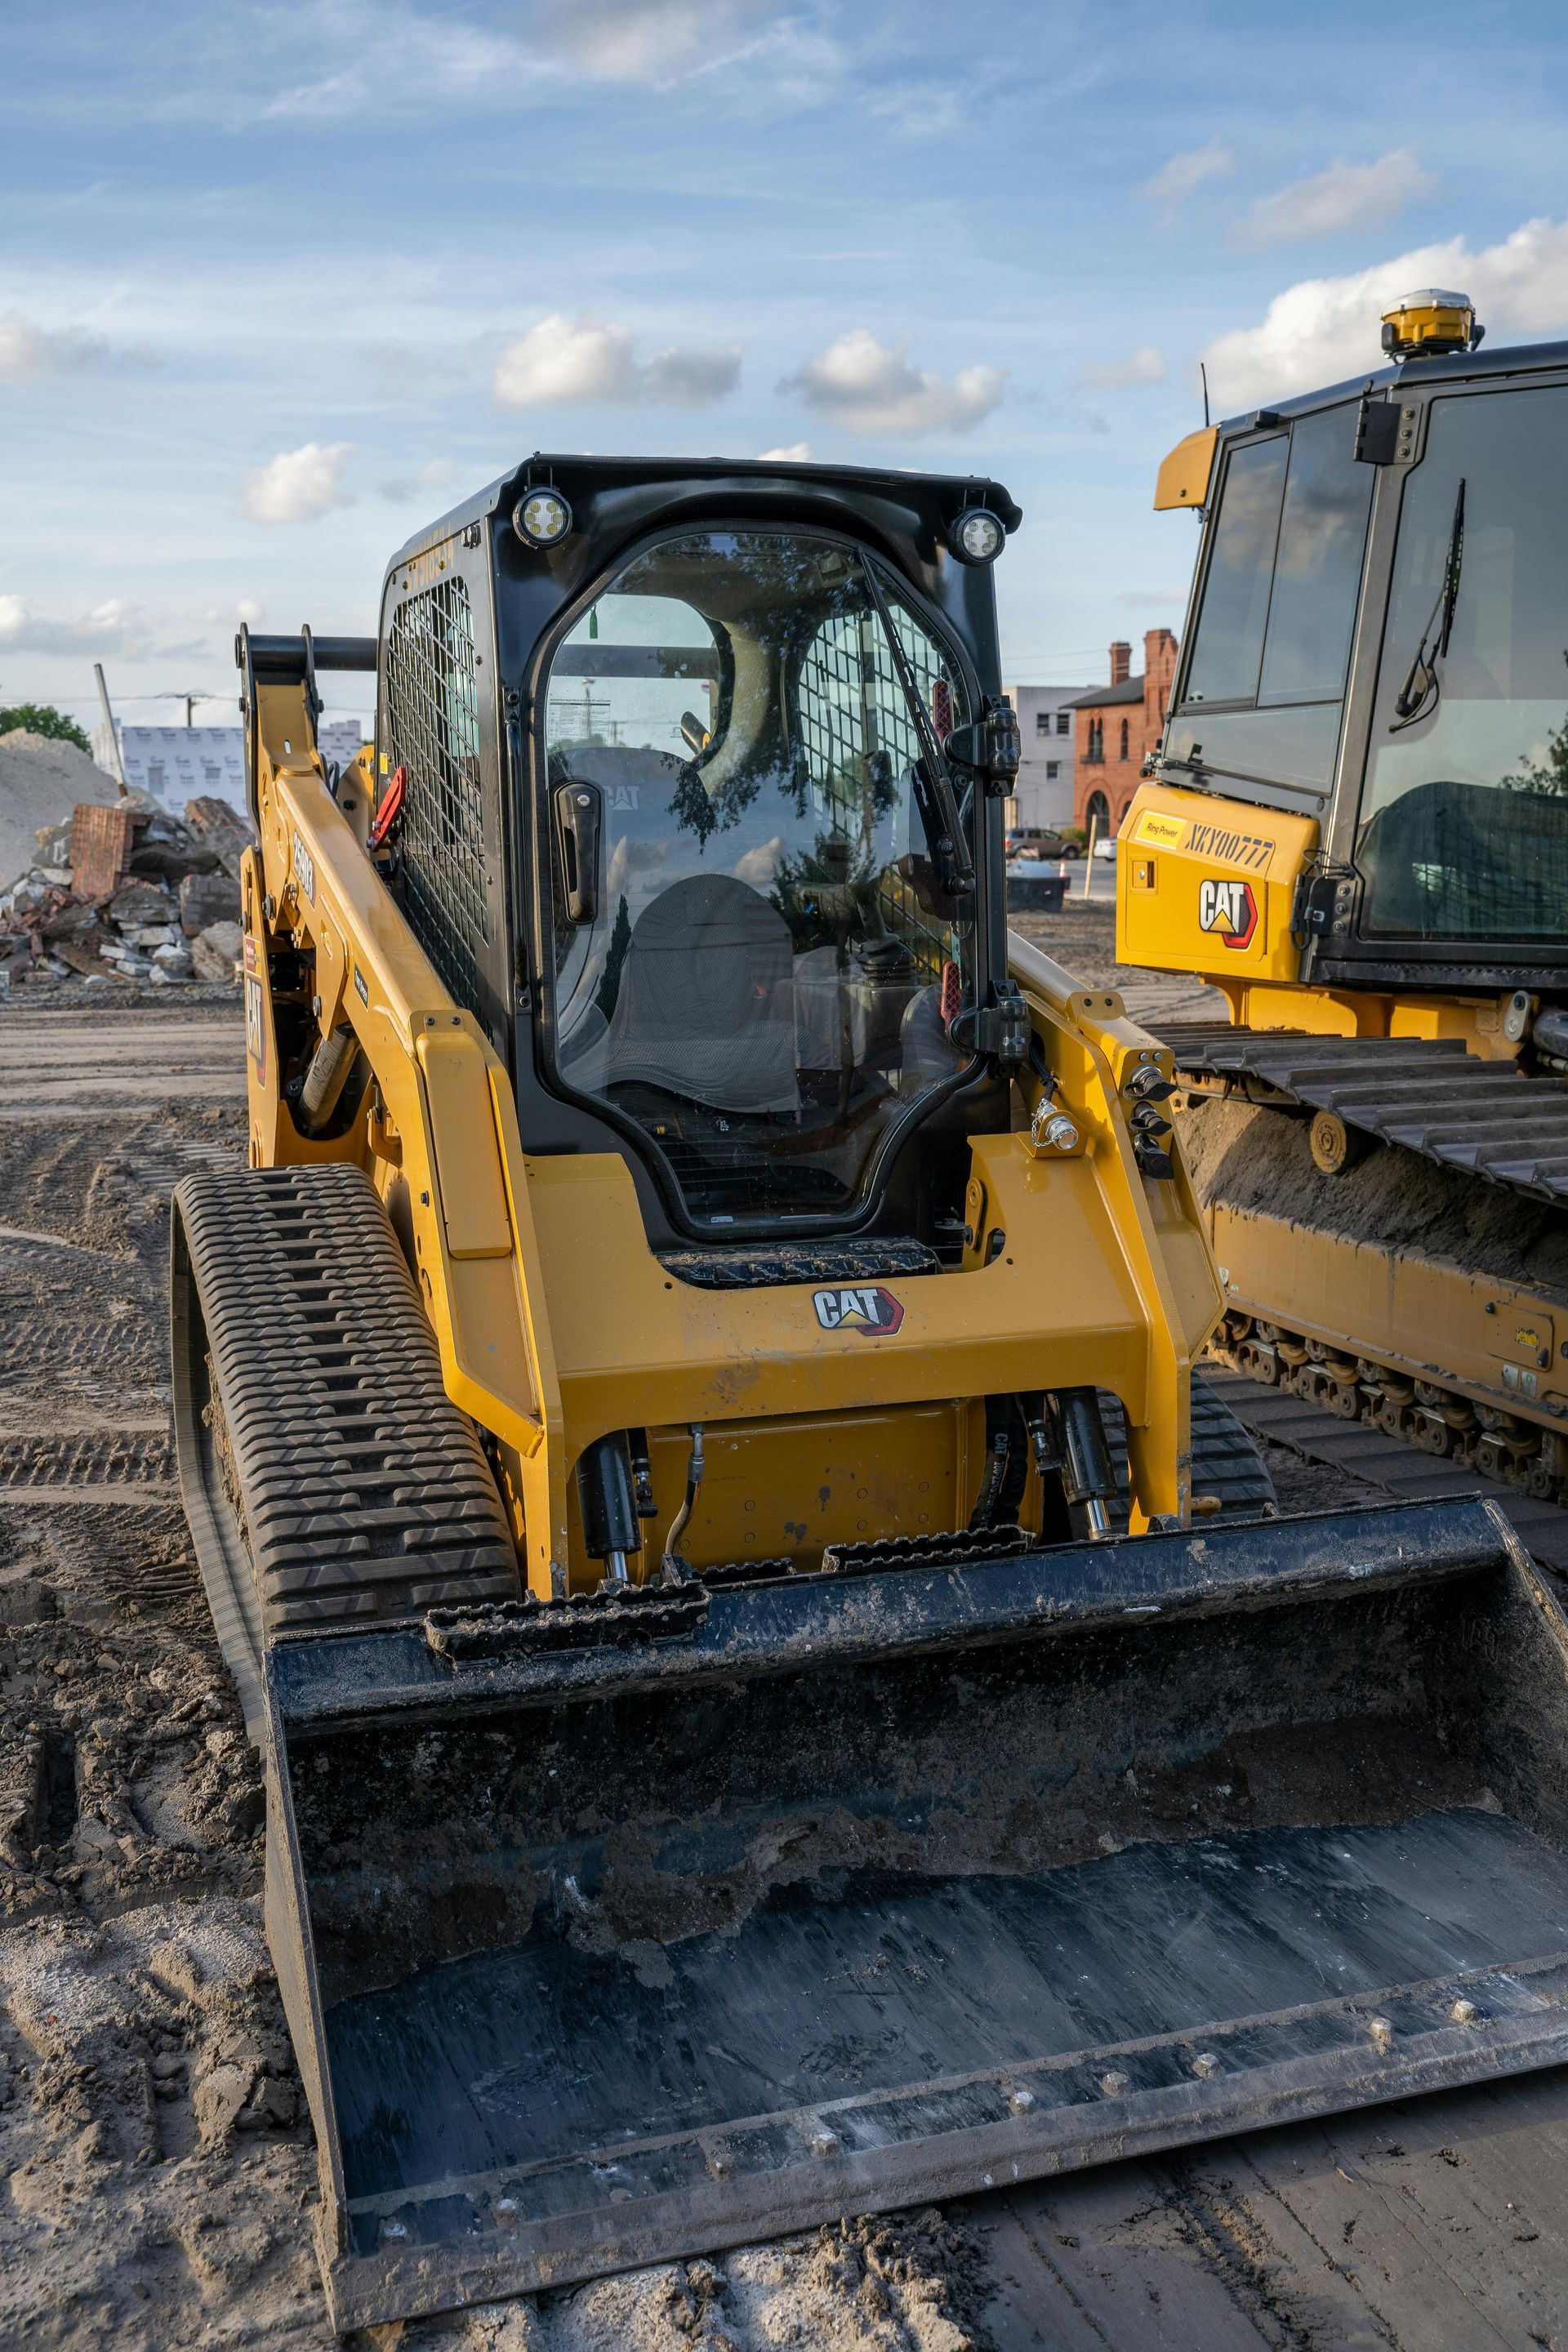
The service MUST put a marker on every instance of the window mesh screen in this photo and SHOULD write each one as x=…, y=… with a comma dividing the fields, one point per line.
x=433, y=731
x=852, y=709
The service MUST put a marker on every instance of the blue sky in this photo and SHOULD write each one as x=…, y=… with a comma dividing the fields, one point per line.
x=280, y=282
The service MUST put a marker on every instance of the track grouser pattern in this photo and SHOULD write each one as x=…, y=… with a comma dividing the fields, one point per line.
x=1426, y=1093
x=361, y=1491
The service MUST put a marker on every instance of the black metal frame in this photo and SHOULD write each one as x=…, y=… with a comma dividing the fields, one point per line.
x=534, y=892
x=618, y=503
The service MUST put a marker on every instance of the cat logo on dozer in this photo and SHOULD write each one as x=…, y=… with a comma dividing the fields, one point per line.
x=1229, y=907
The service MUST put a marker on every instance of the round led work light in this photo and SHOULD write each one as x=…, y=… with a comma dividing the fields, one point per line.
x=977, y=537
x=542, y=517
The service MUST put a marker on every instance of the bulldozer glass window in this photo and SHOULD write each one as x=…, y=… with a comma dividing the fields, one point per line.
x=1464, y=830
x=1229, y=646
x=1265, y=686
x=758, y=988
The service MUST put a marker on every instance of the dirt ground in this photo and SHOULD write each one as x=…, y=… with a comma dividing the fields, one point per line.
x=158, y=2176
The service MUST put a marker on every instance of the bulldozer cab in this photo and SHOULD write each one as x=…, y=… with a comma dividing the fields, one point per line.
x=1378, y=644
x=747, y=886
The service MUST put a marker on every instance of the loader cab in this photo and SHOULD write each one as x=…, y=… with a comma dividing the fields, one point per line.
x=1378, y=638
x=741, y=934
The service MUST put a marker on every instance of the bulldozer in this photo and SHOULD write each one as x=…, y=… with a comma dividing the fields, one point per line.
x=1356, y=829
x=777, y=1696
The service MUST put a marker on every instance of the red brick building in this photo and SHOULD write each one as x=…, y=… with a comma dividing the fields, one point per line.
x=1116, y=724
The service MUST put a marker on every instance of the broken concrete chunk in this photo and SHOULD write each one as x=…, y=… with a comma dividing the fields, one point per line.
x=220, y=829
x=216, y=954
x=205, y=899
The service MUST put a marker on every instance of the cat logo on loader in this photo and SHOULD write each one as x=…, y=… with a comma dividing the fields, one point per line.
x=1229, y=907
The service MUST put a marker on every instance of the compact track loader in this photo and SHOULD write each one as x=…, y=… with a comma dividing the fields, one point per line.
x=687, y=1426
x=1357, y=828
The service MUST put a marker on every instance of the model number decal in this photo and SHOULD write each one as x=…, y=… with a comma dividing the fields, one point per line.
x=866, y=1308
x=1235, y=848
x=305, y=869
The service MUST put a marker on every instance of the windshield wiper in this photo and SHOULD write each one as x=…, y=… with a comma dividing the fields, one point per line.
x=1420, y=690
x=954, y=849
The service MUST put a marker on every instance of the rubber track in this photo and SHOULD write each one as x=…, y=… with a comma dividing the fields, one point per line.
x=1226, y=1460
x=363, y=1492
x=1426, y=1093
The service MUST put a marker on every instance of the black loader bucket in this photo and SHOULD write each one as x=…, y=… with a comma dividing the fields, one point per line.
x=620, y=1930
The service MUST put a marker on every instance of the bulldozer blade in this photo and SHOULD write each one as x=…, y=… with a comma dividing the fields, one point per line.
x=817, y=1896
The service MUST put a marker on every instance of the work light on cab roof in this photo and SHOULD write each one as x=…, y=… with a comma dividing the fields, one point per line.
x=542, y=517
x=977, y=537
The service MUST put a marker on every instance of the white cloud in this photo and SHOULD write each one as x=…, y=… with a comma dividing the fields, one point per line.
x=561, y=362
x=656, y=41
x=112, y=627
x=1182, y=177
x=298, y=485
x=1345, y=196
x=437, y=474
x=1324, y=328
x=248, y=611
x=694, y=378
x=29, y=352
x=872, y=387
x=1144, y=365
x=793, y=452
x=759, y=865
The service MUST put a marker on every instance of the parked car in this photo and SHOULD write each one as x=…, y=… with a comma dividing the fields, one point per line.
x=1036, y=841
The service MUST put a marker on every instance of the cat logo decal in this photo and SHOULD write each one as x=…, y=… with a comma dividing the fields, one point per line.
x=1228, y=906
x=866, y=1308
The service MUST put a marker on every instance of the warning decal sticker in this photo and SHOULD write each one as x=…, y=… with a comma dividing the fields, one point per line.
x=1229, y=907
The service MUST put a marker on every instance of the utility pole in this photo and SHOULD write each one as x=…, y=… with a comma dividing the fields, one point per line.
x=117, y=771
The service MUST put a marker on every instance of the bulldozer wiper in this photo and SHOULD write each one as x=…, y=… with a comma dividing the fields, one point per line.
x=1420, y=690
x=932, y=760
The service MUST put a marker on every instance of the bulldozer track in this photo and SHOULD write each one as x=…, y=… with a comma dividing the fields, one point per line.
x=1365, y=1450
x=316, y=1419
x=1426, y=1093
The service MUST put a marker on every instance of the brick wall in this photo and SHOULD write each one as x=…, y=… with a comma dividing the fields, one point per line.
x=1113, y=737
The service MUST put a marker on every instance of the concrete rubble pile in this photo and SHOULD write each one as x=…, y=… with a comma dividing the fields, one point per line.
x=127, y=892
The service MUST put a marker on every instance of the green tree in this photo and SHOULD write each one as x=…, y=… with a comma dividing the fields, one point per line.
x=1547, y=776
x=43, y=718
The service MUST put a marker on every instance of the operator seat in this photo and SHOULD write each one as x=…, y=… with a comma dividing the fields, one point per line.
x=705, y=1008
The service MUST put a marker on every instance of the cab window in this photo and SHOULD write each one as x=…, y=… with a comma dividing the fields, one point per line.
x=1266, y=680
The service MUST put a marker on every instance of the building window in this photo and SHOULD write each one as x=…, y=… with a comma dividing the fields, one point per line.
x=1095, y=754
x=1064, y=722
x=1124, y=739
x=1042, y=722
x=1053, y=769
x=1097, y=813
